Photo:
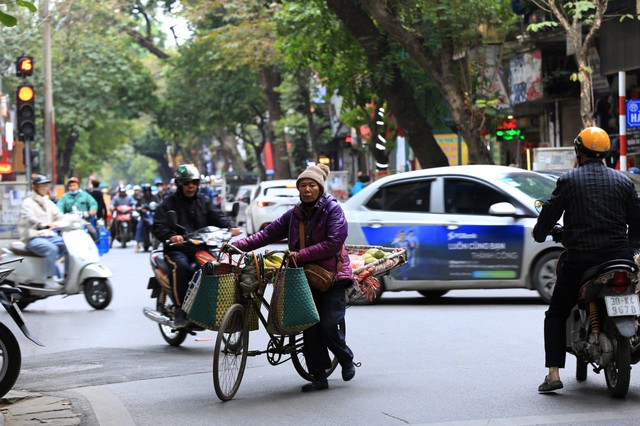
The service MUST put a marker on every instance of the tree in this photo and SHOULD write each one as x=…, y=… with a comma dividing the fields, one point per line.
x=571, y=16
x=99, y=87
x=439, y=36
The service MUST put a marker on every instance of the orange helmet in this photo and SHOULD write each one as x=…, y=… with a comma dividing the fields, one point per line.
x=594, y=142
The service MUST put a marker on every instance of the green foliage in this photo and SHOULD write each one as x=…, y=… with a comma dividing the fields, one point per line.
x=9, y=20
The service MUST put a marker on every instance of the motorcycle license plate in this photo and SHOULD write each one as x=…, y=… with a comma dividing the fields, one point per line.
x=618, y=306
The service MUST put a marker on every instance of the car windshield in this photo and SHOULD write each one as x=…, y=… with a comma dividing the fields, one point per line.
x=535, y=186
x=281, y=191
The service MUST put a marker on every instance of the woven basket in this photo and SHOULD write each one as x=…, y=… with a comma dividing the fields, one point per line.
x=292, y=308
x=394, y=258
x=209, y=299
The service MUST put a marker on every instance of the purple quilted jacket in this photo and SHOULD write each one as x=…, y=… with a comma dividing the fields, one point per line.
x=326, y=229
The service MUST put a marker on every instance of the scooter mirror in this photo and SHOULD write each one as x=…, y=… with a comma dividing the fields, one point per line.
x=172, y=216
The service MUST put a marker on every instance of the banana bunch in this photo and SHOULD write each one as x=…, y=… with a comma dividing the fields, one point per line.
x=272, y=260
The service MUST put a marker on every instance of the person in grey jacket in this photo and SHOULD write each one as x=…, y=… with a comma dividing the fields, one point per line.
x=325, y=231
x=36, y=225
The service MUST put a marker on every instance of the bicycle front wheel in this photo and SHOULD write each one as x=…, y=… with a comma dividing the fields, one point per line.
x=230, y=352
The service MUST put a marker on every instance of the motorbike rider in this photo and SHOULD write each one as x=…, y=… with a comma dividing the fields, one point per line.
x=120, y=199
x=143, y=204
x=193, y=211
x=36, y=225
x=76, y=199
x=601, y=222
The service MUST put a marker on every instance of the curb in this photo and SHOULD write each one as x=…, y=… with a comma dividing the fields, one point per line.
x=29, y=408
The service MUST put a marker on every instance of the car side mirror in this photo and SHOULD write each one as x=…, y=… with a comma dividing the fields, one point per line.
x=502, y=209
x=246, y=199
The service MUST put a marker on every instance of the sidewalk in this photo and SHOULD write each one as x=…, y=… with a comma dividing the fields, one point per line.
x=29, y=408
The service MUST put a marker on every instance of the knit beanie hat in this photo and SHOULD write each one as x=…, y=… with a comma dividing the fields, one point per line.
x=318, y=173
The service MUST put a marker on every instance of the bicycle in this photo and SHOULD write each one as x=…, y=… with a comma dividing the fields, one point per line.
x=232, y=342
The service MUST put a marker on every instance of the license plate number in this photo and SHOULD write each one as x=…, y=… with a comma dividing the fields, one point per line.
x=618, y=306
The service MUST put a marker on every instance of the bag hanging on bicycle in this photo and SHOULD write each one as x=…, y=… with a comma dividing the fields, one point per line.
x=292, y=308
x=211, y=292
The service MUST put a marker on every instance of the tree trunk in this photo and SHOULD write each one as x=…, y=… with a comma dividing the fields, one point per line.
x=270, y=79
x=467, y=118
x=397, y=92
x=63, y=158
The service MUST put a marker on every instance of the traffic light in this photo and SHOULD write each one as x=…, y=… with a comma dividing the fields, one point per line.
x=26, y=111
x=24, y=66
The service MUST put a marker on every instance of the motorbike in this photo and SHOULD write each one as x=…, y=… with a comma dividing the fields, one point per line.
x=208, y=240
x=85, y=274
x=124, y=220
x=149, y=240
x=10, y=355
x=601, y=325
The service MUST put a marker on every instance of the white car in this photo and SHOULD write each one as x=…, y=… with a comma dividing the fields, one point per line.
x=270, y=200
x=243, y=197
x=464, y=227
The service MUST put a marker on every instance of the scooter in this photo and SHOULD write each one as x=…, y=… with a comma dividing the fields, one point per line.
x=124, y=219
x=209, y=239
x=10, y=355
x=85, y=274
x=146, y=220
x=601, y=325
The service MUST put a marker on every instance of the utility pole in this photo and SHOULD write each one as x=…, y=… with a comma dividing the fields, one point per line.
x=49, y=143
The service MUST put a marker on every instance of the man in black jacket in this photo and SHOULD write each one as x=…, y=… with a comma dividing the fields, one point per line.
x=193, y=211
x=601, y=222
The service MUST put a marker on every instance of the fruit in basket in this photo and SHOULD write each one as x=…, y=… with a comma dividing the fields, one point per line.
x=370, y=260
x=272, y=260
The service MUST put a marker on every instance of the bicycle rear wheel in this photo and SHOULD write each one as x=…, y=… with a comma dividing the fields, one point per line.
x=230, y=352
x=300, y=363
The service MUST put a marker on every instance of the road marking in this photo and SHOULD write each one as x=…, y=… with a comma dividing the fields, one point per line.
x=106, y=406
x=547, y=419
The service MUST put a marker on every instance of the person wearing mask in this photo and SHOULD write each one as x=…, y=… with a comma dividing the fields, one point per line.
x=601, y=222
x=146, y=216
x=36, y=225
x=193, y=211
x=76, y=200
x=101, y=212
x=325, y=231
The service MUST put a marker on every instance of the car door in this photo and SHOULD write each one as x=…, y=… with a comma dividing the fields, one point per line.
x=397, y=214
x=471, y=244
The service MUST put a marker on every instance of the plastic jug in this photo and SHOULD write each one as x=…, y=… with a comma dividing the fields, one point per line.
x=103, y=240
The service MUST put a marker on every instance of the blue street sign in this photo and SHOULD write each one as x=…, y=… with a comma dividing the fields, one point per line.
x=633, y=113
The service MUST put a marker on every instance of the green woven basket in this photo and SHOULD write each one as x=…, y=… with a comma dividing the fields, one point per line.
x=292, y=309
x=212, y=296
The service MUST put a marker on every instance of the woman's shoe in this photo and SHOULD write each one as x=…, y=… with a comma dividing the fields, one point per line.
x=316, y=385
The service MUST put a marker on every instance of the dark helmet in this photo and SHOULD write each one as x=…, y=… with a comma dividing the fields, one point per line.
x=186, y=173
x=594, y=142
x=145, y=187
x=40, y=180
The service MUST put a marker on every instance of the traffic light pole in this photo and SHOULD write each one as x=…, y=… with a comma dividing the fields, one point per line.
x=49, y=154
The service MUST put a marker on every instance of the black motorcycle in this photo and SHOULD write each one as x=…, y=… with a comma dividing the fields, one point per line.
x=10, y=355
x=603, y=322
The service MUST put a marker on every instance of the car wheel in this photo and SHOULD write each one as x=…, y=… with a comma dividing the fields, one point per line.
x=544, y=275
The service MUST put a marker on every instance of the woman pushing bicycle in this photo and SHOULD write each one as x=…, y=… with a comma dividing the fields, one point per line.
x=316, y=230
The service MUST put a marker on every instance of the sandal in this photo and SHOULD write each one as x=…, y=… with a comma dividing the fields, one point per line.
x=550, y=386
